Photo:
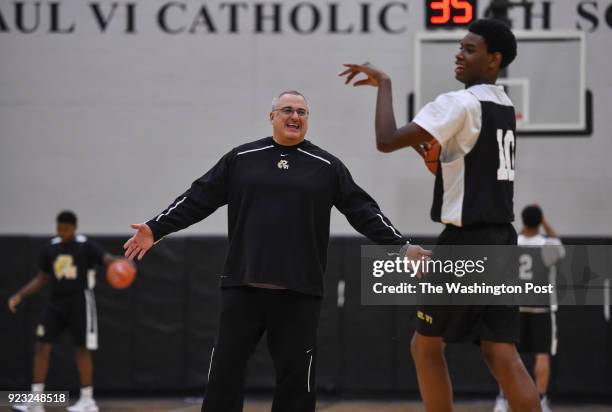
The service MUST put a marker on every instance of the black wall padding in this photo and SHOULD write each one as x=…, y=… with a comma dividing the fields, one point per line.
x=204, y=262
x=583, y=363
x=329, y=351
x=405, y=380
x=158, y=333
x=157, y=336
x=14, y=328
x=367, y=361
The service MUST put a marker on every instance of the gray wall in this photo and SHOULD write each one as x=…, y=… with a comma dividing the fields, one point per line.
x=114, y=125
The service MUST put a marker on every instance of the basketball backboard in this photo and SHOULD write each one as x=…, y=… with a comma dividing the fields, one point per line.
x=546, y=82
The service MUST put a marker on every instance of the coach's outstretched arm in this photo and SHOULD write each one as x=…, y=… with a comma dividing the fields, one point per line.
x=205, y=195
x=364, y=214
x=388, y=137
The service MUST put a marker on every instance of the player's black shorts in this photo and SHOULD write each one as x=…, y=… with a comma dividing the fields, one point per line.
x=538, y=334
x=472, y=323
x=76, y=313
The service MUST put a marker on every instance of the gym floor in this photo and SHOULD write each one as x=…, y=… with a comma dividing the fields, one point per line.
x=193, y=405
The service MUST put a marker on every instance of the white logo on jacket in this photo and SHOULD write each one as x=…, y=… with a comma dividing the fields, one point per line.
x=283, y=164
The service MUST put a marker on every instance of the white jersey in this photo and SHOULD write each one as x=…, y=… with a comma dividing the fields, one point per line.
x=539, y=264
x=476, y=131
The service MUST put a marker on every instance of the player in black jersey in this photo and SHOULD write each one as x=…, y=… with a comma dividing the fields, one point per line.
x=67, y=264
x=473, y=196
x=279, y=193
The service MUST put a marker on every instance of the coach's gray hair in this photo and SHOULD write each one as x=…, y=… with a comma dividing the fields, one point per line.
x=293, y=92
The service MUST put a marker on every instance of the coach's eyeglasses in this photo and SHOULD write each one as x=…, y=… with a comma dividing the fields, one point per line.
x=288, y=111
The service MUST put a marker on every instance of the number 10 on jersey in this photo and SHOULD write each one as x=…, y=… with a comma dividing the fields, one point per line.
x=506, y=146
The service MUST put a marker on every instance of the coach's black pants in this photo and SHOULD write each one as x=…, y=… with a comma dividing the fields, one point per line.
x=290, y=320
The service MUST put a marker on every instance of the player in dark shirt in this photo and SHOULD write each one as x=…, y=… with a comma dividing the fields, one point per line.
x=279, y=191
x=67, y=264
x=473, y=196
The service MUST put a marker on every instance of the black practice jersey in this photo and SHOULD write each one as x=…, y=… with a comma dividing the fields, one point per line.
x=279, y=203
x=68, y=263
x=476, y=128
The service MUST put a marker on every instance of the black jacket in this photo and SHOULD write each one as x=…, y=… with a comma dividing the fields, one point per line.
x=279, y=203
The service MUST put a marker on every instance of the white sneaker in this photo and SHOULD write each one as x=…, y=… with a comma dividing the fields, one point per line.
x=501, y=405
x=28, y=408
x=544, y=405
x=84, y=405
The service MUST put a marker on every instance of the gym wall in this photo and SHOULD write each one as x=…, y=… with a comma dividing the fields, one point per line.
x=112, y=109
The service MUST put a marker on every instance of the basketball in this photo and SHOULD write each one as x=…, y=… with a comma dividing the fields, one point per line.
x=121, y=273
x=432, y=156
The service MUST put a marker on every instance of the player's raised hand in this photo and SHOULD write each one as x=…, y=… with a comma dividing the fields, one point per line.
x=13, y=302
x=374, y=75
x=140, y=243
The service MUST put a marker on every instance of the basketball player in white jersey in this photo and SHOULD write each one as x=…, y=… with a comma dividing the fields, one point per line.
x=538, y=254
x=473, y=196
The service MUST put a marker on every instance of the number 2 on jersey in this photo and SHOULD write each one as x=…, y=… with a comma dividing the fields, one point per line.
x=525, y=267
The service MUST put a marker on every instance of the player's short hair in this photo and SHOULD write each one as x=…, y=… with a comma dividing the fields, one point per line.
x=498, y=37
x=293, y=92
x=532, y=216
x=66, y=216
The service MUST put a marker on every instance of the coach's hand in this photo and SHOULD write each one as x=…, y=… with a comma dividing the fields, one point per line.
x=375, y=75
x=13, y=302
x=416, y=253
x=140, y=243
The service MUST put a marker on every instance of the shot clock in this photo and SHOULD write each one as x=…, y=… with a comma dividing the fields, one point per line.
x=449, y=13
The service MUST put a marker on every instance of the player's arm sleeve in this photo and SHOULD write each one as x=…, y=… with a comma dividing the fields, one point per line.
x=361, y=210
x=552, y=251
x=205, y=195
x=444, y=117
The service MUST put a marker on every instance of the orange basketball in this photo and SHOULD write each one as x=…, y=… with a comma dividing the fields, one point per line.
x=432, y=156
x=121, y=273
